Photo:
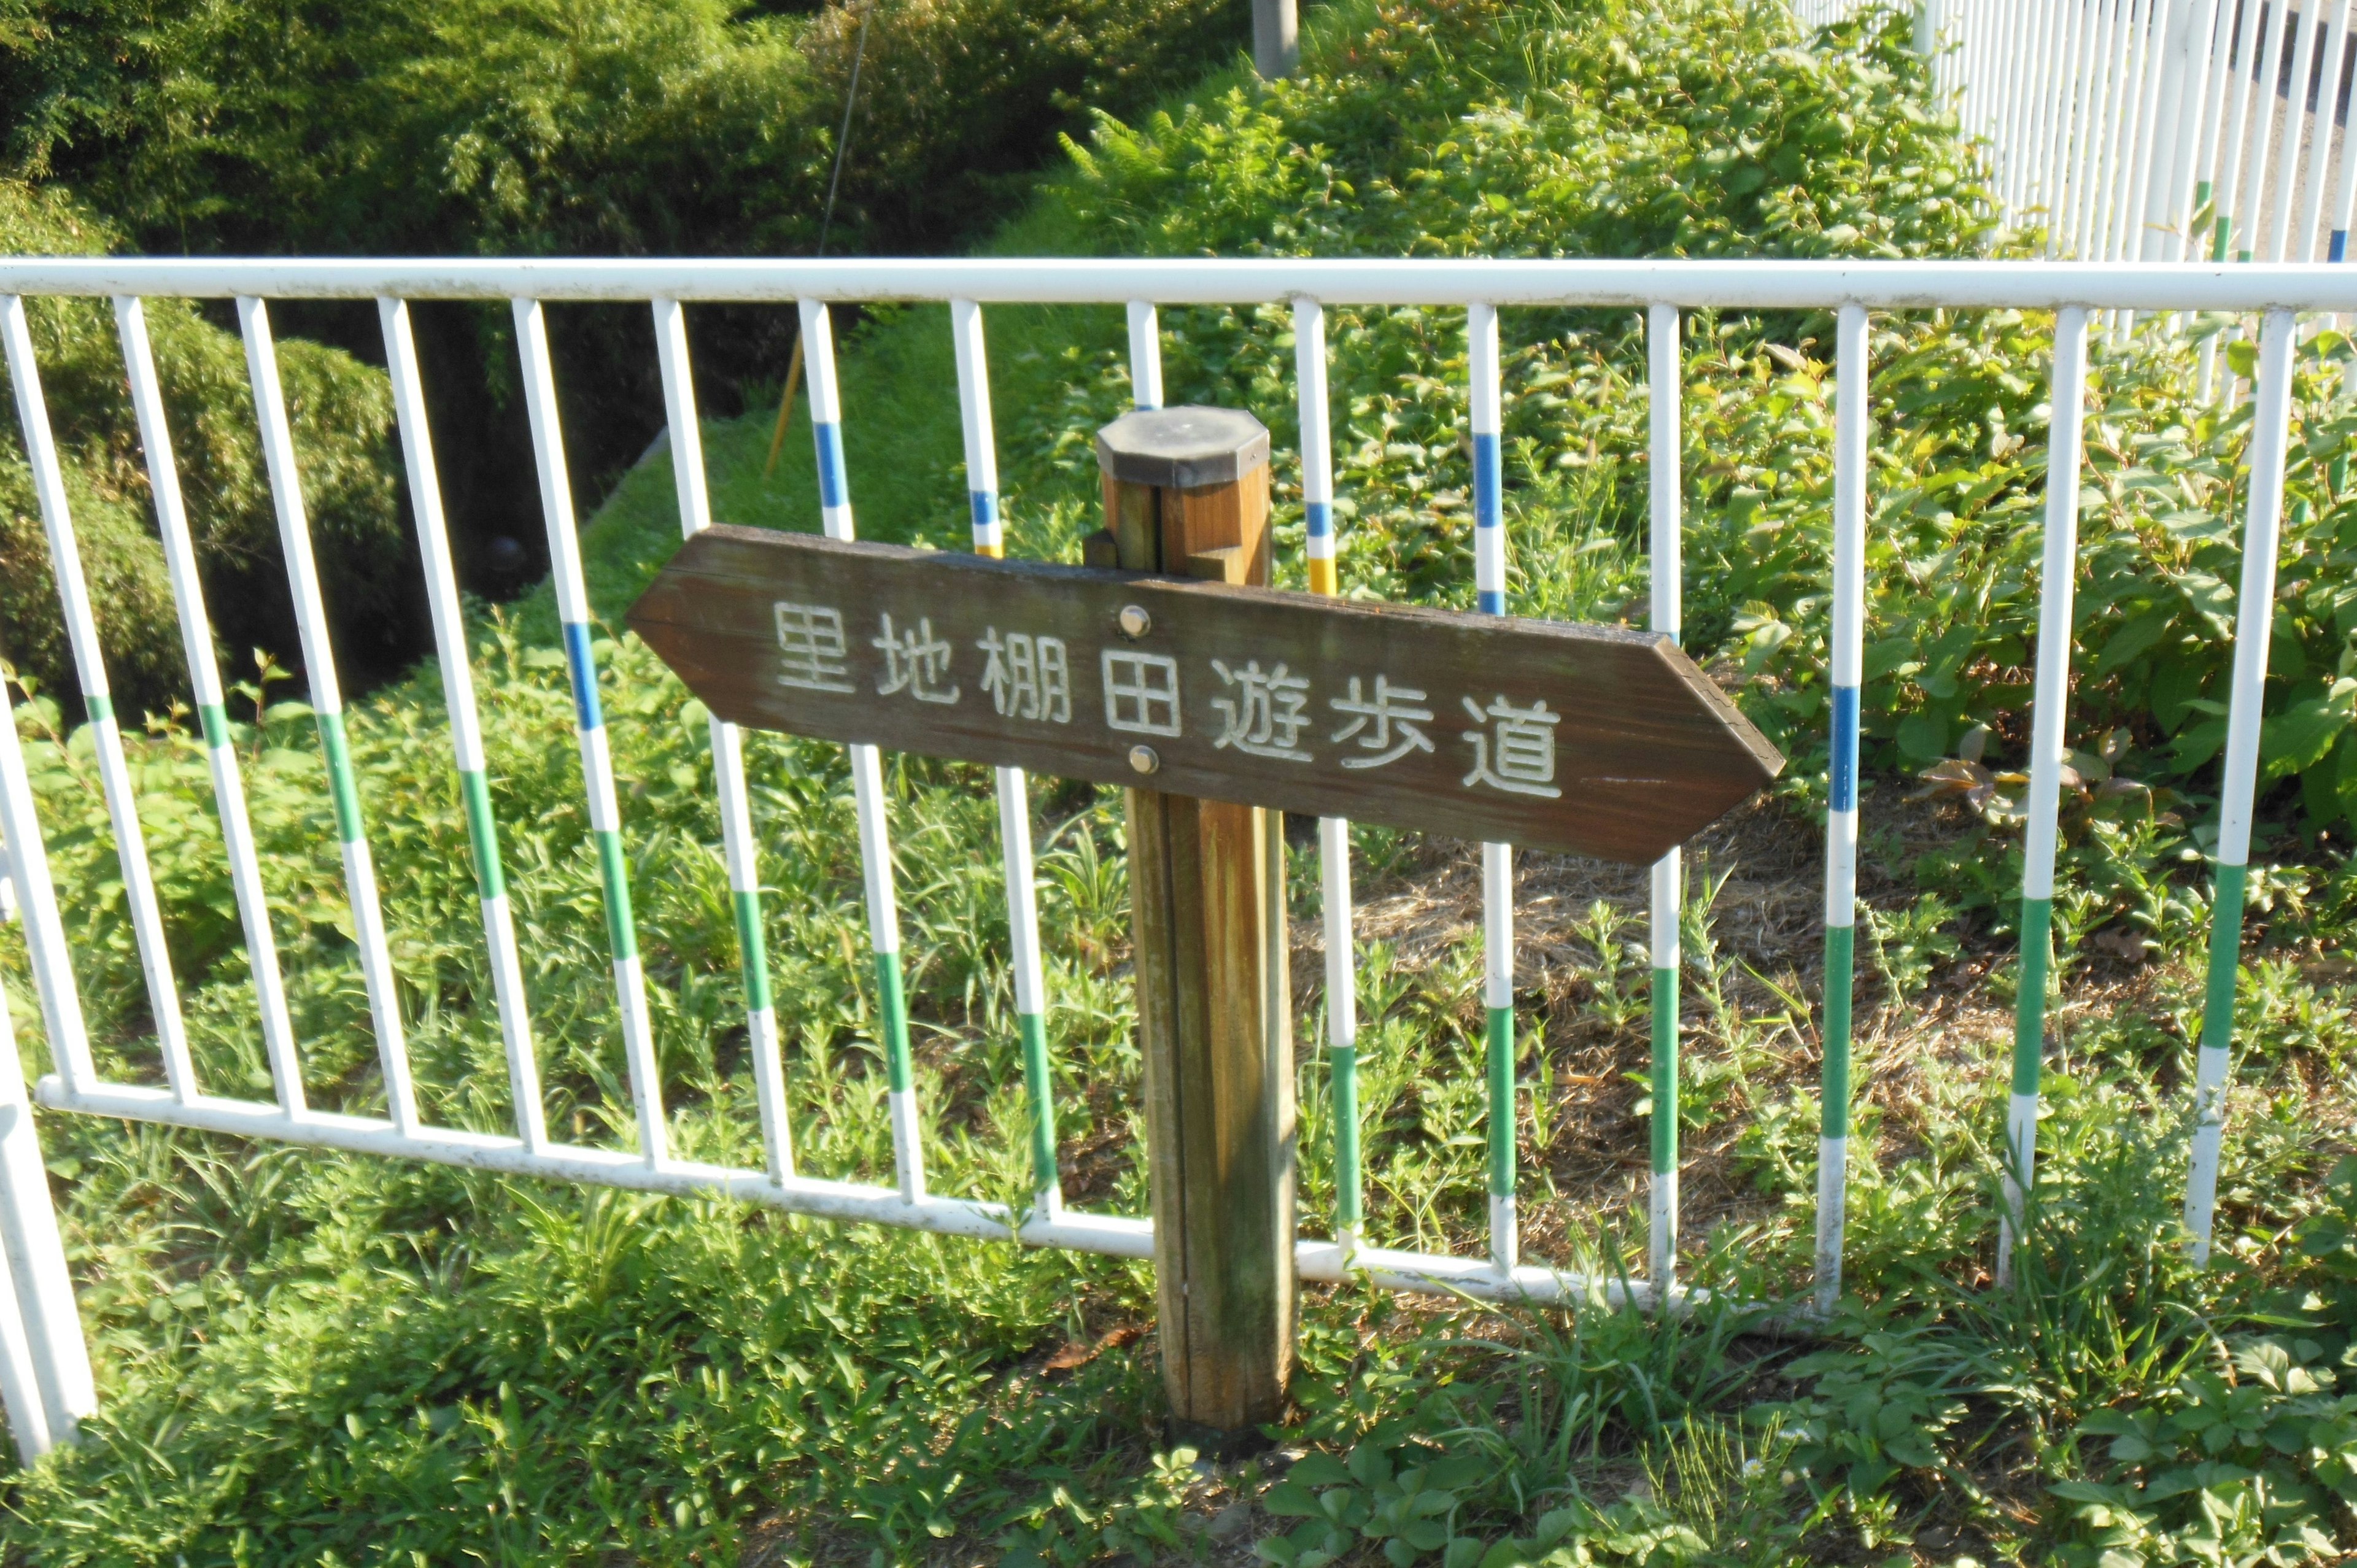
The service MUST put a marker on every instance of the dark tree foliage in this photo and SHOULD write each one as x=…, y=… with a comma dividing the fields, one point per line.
x=566, y=127
x=342, y=415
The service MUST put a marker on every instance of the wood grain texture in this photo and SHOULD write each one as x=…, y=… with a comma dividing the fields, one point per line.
x=1642, y=750
x=1207, y=887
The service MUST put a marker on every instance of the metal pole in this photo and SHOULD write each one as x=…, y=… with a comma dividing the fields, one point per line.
x=1664, y=368
x=2253, y=618
x=52, y=1337
x=1850, y=436
x=2045, y=716
x=1497, y=859
x=1276, y=42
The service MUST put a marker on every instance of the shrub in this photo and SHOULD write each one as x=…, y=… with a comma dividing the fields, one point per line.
x=1467, y=127
x=566, y=127
x=342, y=413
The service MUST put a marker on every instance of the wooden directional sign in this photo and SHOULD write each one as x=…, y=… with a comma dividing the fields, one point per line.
x=1590, y=739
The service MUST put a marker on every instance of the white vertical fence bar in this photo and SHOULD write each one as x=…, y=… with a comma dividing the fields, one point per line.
x=2127, y=219
x=2322, y=138
x=2204, y=51
x=2045, y=92
x=1850, y=452
x=2013, y=97
x=1317, y=444
x=866, y=778
x=20, y=1386
x=90, y=667
x=1145, y=355
x=2228, y=191
x=1933, y=30
x=213, y=716
x=2344, y=192
x=2094, y=119
x=2254, y=620
x=1666, y=371
x=1986, y=115
x=327, y=710
x=42, y=1290
x=2073, y=135
x=1027, y=684
x=2052, y=105
x=1483, y=372
x=2228, y=221
x=2129, y=97
x=739, y=848
x=1988, y=109
x=975, y=426
x=466, y=726
x=2288, y=164
x=1333, y=832
x=1996, y=22
x=589, y=721
x=2095, y=207
x=2156, y=191
x=2036, y=89
x=2263, y=129
x=2208, y=133
x=45, y=934
x=2026, y=117
x=38, y=1309
x=2057, y=577
x=2037, y=97
x=2158, y=57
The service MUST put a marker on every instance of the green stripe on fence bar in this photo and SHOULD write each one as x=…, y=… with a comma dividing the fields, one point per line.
x=340, y=787
x=1502, y=1101
x=1348, y=1199
x=2030, y=1004
x=475, y=792
x=752, y=949
x=1841, y=952
x=1034, y=1032
x=99, y=708
x=621, y=934
x=214, y=721
x=2225, y=956
x=892, y=1004
x=1665, y=1071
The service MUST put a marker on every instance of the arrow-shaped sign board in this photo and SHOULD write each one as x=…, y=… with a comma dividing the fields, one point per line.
x=1590, y=739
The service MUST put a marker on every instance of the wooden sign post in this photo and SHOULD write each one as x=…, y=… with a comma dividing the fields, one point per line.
x=1167, y=666
x=1186, y=492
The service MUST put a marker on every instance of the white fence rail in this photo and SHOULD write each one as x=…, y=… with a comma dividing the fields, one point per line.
x=44, y=1368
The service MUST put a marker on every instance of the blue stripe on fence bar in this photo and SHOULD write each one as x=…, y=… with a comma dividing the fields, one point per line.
x=986, y=508
x=2338, y=250
x=834, y=489
x=1845, y=749
x=1321, y=518
x=585, y=675
x=1489, y=510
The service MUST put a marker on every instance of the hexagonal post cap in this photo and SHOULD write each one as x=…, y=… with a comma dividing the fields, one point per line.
x=1182, y=448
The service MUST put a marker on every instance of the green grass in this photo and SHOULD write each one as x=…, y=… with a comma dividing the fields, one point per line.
x=308, y=1359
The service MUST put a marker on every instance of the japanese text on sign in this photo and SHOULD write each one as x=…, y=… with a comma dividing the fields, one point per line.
x=1265, y=709
x=1594, y=739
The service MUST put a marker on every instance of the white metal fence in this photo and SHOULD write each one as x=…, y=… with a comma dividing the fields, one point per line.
x=2153, y=130
x=44, y=1368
